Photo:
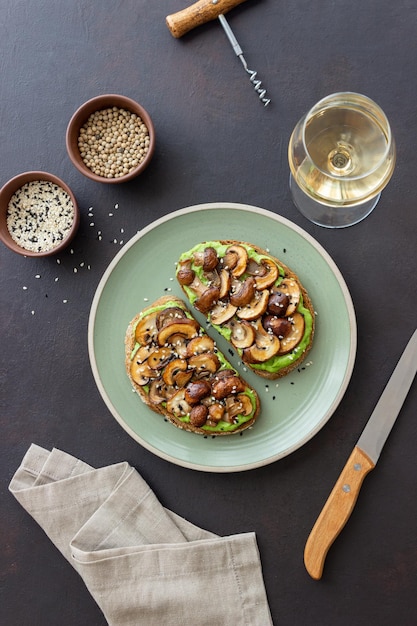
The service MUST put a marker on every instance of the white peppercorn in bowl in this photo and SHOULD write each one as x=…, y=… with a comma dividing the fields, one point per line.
x=110, y=139
x=39, y=215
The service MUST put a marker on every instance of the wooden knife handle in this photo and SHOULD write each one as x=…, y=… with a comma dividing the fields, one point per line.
x=336, y=511
x=198, y=13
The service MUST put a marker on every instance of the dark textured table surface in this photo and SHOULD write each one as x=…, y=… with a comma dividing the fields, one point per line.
x=215, y=143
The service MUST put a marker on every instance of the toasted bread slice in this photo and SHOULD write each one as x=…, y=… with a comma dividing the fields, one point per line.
x=254, y=300
x=177, y=370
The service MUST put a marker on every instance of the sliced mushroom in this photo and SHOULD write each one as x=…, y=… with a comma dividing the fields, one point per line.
x=177, y=404
x=237, y=405
x=159, y=392
x=244, y=292
x=271, y=275
x=242, y=259
x=199, y=345
x=143, y=352
x=295, y=335
x=204, y=364
x=265, y=347
x=179, y=344
x=146, y=330
x=255, y=269
x=207, y=299
x=173, y=370
x=168, y=315
x=255, y=308
x=222, y=312
x=293, y=291
x=187, y=327
x=141, y=373
x=159, y=358
x=224, y=283
x=243, y=333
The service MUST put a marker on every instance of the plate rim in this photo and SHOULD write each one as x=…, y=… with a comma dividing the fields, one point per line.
x=292, y=226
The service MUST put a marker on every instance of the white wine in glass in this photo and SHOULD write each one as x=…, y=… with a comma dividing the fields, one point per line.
x=341, y=155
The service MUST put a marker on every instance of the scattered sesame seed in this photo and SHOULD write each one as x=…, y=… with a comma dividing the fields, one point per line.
x=24, y=288
x=65, y=301
x=37, y=276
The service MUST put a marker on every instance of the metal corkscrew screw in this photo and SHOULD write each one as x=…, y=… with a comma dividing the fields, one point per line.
x=203, y=11
x=257, y=84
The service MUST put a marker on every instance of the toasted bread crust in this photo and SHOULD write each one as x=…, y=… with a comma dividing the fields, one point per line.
x=131, y=344
x=190, y=262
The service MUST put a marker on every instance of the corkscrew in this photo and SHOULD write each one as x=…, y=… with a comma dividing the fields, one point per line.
x=204, y=11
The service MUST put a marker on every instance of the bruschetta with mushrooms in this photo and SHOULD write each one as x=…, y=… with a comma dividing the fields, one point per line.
x=177, y=370
x=254, y=300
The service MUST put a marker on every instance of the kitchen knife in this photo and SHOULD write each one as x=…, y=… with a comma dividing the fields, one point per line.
x=363, y=459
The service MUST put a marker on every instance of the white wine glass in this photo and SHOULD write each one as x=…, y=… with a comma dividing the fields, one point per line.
x=341, y=156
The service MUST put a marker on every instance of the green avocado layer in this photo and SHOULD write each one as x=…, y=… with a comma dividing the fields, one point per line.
x=276, y=363
x=221, y=426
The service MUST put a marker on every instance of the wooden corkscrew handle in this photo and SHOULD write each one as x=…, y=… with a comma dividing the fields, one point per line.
x=197, y=14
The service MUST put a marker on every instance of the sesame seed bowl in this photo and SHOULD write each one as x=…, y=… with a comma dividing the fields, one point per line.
x=39, y=214
x=110, y=139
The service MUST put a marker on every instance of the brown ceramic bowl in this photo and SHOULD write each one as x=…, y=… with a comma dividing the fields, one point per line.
x=81, y=116
x=6, y=193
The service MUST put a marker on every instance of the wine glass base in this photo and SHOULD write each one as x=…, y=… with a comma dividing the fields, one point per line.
x=330, y=216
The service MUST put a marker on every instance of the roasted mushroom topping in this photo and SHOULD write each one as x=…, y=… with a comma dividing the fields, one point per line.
x=267, y=280
x=280, y=326
x=222, y=312
x=146, y=330
x=208, y=299
x=159, y=392
x=216, y=411
x=173, y=371
x=243, y=333
x=224, y=283
x=159, y=358
x=210, y=259
x=278, y=303
x=239, y=266
x=198, y=415
x=290, y=287
x=255, y=308
x=265, y=347
x=224, y=387
x=187, y=327
x=244, y=293
x=185, y=276
x=177, y=404
x=204, y=364
x=196, y=391
x=293, y=338
x=237, y=405
x=199, y=345
x=141, y=372
x=170, y=314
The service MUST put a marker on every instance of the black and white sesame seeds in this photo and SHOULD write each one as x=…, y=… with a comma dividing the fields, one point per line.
x=40, y=215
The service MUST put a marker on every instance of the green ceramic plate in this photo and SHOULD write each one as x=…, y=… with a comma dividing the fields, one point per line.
x=295, y=408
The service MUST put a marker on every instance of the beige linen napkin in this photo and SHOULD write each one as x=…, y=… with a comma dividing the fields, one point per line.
x=143, y=564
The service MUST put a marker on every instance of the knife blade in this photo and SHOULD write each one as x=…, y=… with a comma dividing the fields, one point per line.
x=362, y=460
